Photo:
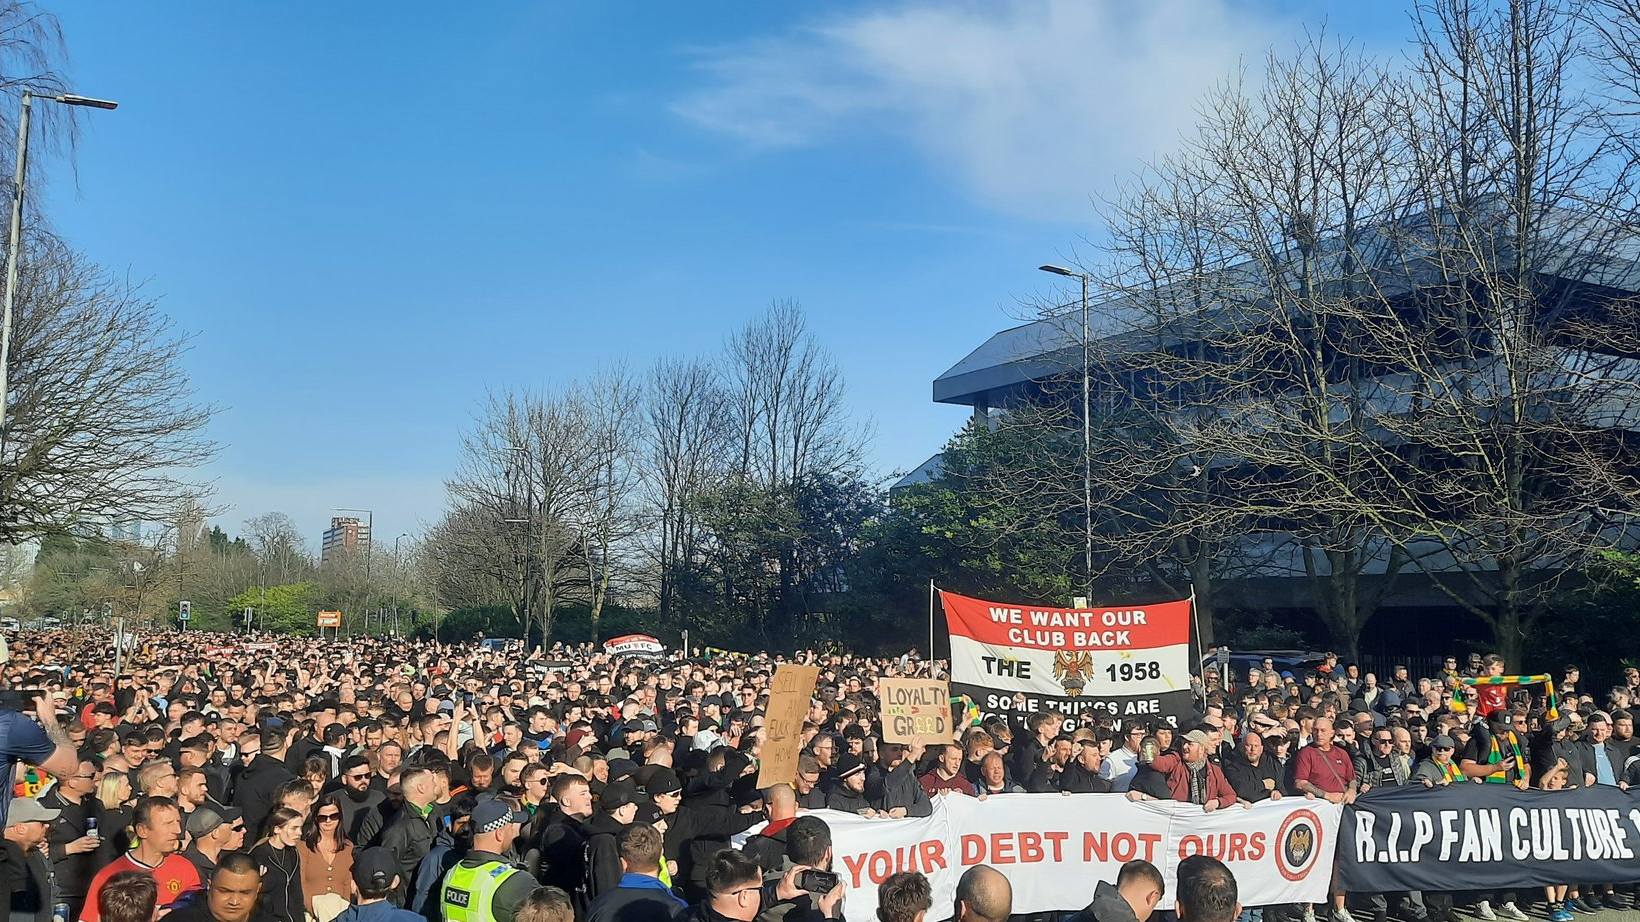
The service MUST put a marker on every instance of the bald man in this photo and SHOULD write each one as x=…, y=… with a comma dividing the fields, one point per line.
x=983, y=895
x=768, y=847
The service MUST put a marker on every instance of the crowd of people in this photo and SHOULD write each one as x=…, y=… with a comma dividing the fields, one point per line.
x=363, y=780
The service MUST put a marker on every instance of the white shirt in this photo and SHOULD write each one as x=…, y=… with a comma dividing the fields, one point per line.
x=1119, y=768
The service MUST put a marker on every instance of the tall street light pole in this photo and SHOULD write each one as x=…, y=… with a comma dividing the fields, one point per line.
x=398, y=577
x=1087, y=431
x=15, y=242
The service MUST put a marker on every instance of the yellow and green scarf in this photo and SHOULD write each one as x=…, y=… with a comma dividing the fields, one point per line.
x=1459, y=706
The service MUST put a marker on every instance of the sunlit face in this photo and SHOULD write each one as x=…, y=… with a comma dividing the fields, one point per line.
x=576, y=800
x=164, y=829
x=233, y=896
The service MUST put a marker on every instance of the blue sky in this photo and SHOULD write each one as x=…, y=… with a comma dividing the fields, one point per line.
x=368, y=214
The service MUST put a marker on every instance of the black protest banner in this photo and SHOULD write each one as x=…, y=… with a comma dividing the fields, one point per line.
x=1470, y=836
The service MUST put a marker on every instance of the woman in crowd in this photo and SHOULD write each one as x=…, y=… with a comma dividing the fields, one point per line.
x=281, y=865
x=327, y=860
x=115, y=794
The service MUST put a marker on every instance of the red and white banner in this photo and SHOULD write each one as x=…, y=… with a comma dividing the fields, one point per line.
x=1131, y=661
x=630, y=644
x=1054, y=848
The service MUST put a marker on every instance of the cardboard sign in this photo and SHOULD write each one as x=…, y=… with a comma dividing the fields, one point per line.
x=329, y=619
x=915, y=711
x=789, y=694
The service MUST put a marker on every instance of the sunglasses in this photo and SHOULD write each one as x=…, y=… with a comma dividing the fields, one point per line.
x=358, y=777
x=329, y=817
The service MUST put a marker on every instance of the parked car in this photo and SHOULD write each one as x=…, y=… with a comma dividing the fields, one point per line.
x=10, y=624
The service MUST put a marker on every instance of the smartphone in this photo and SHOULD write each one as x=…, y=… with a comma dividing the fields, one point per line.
x=815, y=880
x=19, y=699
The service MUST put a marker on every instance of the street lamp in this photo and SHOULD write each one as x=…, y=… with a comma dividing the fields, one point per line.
x=15, y=243
x=1087, y=430
x=398, y=575
x=369, y=526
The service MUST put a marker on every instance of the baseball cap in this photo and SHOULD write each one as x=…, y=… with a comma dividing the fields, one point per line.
x=706, y=739
x=374, y=869
x=663, y=781
x=618, y=794
x=490, y=815
x=207, y=817
x=29, y=810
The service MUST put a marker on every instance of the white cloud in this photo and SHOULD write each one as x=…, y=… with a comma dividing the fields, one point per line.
x=1033, y=106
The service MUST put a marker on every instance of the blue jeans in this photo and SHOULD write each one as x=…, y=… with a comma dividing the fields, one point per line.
x=1251, y=914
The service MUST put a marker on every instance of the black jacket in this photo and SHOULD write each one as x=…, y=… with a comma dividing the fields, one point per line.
x=844, y=799
x=1078, y=780
x=31, y=884
x=1108, y=906
x=409, y=837
x=356, y=811
x=898, y=788
x=603, y=857
x=73, y=872
x=253, y=795
x=281, y=896
x=561, y=858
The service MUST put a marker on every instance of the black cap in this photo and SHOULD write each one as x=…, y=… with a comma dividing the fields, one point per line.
x=663, y=780
x=618, y=794
x=849, y=764
x=374, y=869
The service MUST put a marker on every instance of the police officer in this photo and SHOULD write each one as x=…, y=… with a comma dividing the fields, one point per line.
x=486, y=885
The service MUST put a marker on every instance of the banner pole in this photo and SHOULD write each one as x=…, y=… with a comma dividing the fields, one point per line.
x=1196, y=628
x=931, y=656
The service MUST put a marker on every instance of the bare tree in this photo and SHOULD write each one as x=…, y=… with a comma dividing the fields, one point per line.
x=102, y=422
x=686, y=446
x=1407, y=346
x=522, y=480
x=606, y=520
x=281, y=551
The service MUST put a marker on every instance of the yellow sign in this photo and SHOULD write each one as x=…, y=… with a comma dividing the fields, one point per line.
x=329, y=619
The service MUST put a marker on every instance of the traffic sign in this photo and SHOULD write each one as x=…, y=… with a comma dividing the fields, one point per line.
x=329, y=619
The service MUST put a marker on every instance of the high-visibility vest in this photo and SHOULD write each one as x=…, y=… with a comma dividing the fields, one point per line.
x=468, y=893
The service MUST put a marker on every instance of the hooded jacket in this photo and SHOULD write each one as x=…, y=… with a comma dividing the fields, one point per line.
x=1108, y=906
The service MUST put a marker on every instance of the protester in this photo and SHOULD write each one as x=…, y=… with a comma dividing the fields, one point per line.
x=640, y=896
x=375, y=874
x=904, y=897
x=326, y=857
x=1138, y=888
x=235, y=887
x=280, y=863
x=1207, y=891
x=158, y=826
x=128, y=896
x=28, y=825
x=983, y=895
x=213, y=829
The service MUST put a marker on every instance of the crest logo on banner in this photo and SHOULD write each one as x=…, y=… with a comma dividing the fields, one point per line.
x=1297, y=843
x=1073, y=669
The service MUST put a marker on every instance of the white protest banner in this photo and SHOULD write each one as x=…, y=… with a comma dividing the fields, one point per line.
x=1053, y=848
x=640, y=644
x=1121, y=661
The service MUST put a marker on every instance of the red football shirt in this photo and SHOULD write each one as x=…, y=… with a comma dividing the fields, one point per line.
x=177, y=878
